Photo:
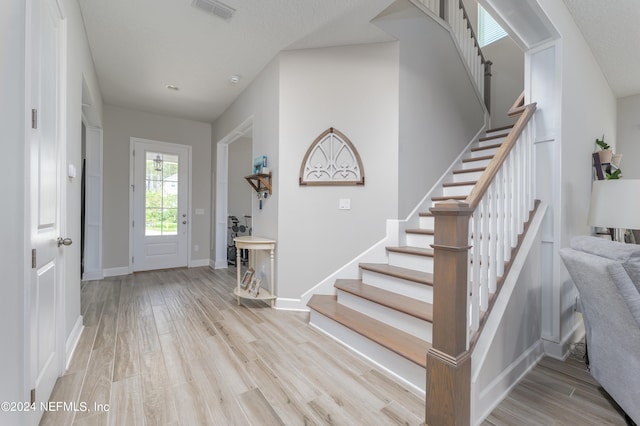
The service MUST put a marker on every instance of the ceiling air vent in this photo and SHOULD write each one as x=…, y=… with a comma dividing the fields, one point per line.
x=215, y=7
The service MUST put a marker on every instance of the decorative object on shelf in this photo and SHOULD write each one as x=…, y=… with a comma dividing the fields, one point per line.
x=254, y=286
x=331, y=160
x=606, y=163
x=246, y=278
x=615, y=204
x=259, y=164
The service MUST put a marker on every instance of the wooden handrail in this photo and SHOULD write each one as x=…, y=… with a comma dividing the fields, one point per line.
x=501, y=155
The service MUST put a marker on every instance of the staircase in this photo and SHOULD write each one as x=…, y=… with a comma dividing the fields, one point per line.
x=387, y=314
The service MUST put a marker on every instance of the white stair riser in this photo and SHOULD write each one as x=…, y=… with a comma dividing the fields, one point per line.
x=397, y=285
x=427, y=222
x=411, y=261
x=465, y=177
x=399, y=366
x=419, y=240
x=482, y=153
x=409, y=324
x=491, y=141
x=474, y=164
x=457, y=190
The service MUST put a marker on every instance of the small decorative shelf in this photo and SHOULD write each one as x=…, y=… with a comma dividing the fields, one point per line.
x=260, y=182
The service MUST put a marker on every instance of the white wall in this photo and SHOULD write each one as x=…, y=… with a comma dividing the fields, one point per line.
x=628, y=142
x=13, y=261
x=260, y=101
x=507, y=80
x=241, y=194
x=439, y=111
x=79, y=67
x=355, y=90
x=120, y=125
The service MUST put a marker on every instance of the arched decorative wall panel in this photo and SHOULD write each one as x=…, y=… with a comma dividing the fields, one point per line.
x=331, y=160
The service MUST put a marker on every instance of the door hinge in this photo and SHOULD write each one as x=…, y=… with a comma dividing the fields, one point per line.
x=133, y=223
x=133, y=188
x=33, y=258
x=33, y=396
x=34, y=118
x=132, y=259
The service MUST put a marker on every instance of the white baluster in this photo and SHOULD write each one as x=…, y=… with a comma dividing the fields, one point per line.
x=500, y=225
x=475, y=292
x=493, y=236
x=484, y=252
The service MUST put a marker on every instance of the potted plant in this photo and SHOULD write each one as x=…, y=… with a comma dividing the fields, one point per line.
x=605, y=152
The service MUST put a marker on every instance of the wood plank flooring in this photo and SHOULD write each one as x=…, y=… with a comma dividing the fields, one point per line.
x=173, y=348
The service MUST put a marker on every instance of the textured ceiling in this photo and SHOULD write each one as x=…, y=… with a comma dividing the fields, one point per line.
x=612, y=29
x=140, y=46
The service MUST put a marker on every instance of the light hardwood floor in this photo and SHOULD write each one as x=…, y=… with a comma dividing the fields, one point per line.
x=173, y=348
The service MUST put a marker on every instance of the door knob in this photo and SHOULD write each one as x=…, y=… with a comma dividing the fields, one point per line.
x=64, y=241
x=184, y=222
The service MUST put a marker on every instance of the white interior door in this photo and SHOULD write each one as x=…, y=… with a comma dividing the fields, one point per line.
x=46, y=198
x=161, y=198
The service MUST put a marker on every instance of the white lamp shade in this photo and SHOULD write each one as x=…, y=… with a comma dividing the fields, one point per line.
x=615, y=204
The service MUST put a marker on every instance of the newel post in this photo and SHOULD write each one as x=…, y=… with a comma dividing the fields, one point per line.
x=448, y=362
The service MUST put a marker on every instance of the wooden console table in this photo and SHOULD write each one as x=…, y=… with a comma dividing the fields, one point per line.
x=251, y=243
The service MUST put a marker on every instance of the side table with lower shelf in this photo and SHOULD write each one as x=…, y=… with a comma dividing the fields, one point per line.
x=252, y=243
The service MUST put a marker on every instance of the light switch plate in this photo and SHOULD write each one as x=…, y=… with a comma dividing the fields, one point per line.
x=344, y=204
x=199, y=212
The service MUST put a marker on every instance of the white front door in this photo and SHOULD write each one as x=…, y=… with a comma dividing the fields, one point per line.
x=46, y=199
x=160, y=199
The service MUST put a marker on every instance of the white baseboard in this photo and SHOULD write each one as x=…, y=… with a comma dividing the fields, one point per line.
x=72, y=341
x=504, y=382
x=285, y=304
x=560, y=350
x=92, y=275
x=198, y=263
x=115, y=272
x=219, y=264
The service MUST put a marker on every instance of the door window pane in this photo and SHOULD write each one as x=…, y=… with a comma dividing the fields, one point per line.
x=161, y=196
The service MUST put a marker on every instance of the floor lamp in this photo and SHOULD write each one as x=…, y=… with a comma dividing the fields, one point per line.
x=615, y=204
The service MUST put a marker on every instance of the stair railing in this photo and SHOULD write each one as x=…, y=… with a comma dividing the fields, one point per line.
x=454, y=13
x=473, y=243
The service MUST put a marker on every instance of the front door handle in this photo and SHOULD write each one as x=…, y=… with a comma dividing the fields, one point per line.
x=64, y=241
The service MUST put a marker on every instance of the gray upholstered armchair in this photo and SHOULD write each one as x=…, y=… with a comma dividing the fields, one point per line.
x=607, y=275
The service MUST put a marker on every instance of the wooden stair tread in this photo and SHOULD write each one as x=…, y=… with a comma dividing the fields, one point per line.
x=498, y=136
x=425, y=214
x=420, y=231
x=474, y=170
x=418, y=251
x=472, y=159
x=482, y=148
x=449, y=197
x=497, y=129
x=398, y=272
x=407, y=305
x=404, y=344
x=465, y=183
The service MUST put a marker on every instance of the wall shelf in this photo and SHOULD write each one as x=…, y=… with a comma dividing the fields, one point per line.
x=260, y=182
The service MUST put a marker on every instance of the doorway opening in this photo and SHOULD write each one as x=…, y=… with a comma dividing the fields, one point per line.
x=233, y=194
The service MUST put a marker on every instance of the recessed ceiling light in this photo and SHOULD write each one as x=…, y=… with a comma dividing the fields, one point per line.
x=234, y=79
x=172, y=87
